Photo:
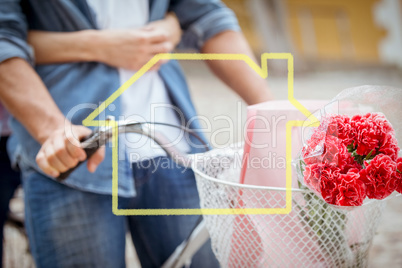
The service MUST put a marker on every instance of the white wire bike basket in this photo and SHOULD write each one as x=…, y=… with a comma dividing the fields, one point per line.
x=313, y=234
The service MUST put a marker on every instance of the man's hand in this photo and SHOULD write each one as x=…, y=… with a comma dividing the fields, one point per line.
x=62, y=151
x=170, y=25
x=132, y=49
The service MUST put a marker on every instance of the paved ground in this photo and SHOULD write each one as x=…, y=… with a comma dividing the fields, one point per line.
x=212, y=98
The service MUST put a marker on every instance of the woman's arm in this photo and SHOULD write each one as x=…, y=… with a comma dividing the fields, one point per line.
x=211, y=27
x=237, y=74
x=129, y=49
x=56, y=47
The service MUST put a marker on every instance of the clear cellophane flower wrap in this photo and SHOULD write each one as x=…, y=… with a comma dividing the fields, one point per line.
x=348, y=166
x=353, y=155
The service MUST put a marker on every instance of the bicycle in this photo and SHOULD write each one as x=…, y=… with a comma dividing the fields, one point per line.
x=17, y=244
x=259, y=240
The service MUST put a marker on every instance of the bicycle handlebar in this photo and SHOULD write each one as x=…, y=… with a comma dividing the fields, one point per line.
x=100, y=136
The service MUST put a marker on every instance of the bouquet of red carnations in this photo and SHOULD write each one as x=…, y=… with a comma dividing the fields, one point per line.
x=349, y=164
x=349, y=158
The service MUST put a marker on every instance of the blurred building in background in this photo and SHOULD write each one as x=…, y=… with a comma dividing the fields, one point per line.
x=357, y=32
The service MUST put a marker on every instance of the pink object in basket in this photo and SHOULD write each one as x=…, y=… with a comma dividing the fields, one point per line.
x=265, y=145
x=264, y=164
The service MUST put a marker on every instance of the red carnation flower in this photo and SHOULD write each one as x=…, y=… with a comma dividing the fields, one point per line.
x=323, y=179
x=389, y=146
x=335, y=152
x=322, y=148
x=398, y=175
x=399, y=167
x=376, y=119
x=340, y=126
x=352, y=191
x=379, y=177
x=312, y=175
x=314, y=147
x=371, y=131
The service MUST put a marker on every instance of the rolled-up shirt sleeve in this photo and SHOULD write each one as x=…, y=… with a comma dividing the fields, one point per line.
x=13, y=32
x=200, y=20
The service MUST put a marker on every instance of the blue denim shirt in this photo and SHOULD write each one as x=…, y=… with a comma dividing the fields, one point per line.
x=78, y=88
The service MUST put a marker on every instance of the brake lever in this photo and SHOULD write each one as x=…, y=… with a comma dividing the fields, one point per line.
x=90, y=144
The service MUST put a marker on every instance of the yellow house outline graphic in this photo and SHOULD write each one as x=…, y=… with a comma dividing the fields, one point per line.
x=263, y=72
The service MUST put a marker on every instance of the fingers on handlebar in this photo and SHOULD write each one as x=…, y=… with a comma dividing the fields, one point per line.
x=62, y=151
x=46, y=167
x=96, y=159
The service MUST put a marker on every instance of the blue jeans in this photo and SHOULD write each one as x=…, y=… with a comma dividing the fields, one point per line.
x=72, y=228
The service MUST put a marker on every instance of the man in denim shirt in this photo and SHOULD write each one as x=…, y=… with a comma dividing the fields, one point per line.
x=71, y=223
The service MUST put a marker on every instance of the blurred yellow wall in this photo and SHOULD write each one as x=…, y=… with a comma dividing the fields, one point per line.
x=334, y=30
